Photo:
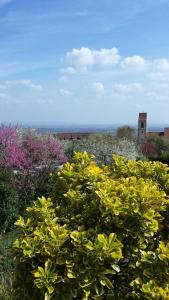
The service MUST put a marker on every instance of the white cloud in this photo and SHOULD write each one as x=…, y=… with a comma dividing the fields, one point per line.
x=31, y=85
x=161, y=65
x=24, y=82
x=81, y=57
x=156, y=76
x=135, y=78
x=158, y=96
x=136, y=63
x=64, y=92
x=87, y=57
x=68, y=71
x=130, y=88
x=98, y=87
x=158, y=90
x=4, y=2
x=107, y=56
x=159, y=70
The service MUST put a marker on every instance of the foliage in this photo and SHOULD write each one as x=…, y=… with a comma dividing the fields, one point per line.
x=30, y=156
x=126, y=132
x=6, y=265
x=103, y=236
x=42, y=150
x=99, y=144
x=12, y=153
x=9, y=202
x=26, y=149
x=30, y=185
x=127, y=148
x=161, y=145
x=103, y=145
x=153, y=281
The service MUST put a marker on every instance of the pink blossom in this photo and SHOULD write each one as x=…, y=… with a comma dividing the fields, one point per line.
x=25, y=150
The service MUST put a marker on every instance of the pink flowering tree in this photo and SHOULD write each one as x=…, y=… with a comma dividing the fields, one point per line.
x=31, y=156
x=12, y=154
x=27, y=150
x=42, y=151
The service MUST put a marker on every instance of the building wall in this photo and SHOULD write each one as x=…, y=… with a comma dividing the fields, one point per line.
x=142, y=130
x=146, y=147
x=166, y=133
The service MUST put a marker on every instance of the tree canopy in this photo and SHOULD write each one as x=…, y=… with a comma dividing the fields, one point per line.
x=126, y=132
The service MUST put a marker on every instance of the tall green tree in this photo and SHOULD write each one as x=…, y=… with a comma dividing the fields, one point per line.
x=160, y=144
x=126, y=132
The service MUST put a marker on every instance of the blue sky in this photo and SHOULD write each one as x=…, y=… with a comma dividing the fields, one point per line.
x=84, y=61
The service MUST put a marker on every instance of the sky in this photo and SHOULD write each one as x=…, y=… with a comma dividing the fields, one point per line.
x=84, y=62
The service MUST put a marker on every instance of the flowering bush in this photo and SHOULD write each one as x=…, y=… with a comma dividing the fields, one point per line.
x=103, y=146
x=12, y=154
x=26, y=149
x=30, y=156
x=127, y=148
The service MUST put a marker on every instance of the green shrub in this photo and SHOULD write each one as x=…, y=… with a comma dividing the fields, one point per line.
x=126, y=132
x=6, y=265
x=103, y=236
x=8, y=201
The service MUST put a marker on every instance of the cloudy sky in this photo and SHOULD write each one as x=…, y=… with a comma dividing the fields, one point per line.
x=84, y=61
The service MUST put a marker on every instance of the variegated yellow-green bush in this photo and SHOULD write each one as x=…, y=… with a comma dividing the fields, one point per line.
x=101, y=235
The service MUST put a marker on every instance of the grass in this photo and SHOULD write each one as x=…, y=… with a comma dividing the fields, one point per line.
x=6, y=265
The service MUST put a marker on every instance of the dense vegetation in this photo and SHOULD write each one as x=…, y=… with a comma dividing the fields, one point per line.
x=102, y=145
x=26, y=160
x=104, y=234
x=161, y=147
x=99, y=229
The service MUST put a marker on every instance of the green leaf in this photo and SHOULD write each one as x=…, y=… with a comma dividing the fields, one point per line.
x=109, y=271
x=86, y=295
x=50, y=289
x=116, y=267
x=99, y=289
x=112, y=237
x=101, y=238
x=70, y=275
x=106, y=282
x=89, y=245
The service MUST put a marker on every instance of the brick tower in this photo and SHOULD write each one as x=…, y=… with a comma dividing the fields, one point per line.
x=142, y=128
